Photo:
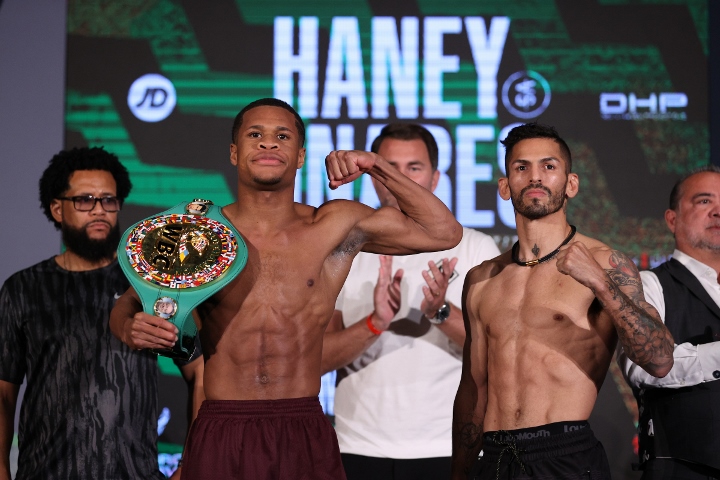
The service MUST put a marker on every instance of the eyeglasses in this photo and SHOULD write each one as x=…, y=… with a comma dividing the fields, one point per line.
x=86, y=203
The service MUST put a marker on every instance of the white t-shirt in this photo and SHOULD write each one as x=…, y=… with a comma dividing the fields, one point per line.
x=396, y=399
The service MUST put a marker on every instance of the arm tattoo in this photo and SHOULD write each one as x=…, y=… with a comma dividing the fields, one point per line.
x=470, y=435
x=642, y=336
x=469, y=438
x=624, y=271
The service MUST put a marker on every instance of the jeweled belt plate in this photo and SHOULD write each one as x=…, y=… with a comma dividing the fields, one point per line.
x=177, y=259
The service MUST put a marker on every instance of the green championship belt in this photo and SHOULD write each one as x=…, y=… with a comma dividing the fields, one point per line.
x=177, y=259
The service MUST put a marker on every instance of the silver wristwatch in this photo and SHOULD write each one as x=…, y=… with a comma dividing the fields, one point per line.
x=442, y=314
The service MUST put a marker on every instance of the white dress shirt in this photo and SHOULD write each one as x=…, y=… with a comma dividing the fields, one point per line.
x=694, y=364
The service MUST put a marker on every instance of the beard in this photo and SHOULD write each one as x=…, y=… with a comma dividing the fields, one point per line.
x=387, y=199
x=268, y=182
x=710, y=244
x=535, y=209
x=713, y=247
x=77, y=241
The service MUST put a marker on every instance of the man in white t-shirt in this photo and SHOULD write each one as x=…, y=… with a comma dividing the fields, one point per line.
x=396, y=338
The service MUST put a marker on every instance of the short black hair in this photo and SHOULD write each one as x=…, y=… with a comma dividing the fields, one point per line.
x=408, y=131
x=534, y=130
x=55, y=180
x=676, y=191
x=269, y=102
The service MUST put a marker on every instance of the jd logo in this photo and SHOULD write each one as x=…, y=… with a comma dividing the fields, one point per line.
x=151, y=98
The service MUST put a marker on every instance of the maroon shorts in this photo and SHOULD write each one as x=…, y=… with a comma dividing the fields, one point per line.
x=262, y=439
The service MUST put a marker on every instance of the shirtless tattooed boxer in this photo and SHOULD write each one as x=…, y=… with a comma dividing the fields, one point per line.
x=542, y=323
x=262, y=334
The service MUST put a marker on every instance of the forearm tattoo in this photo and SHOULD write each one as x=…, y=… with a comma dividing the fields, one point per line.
x=645, y=340
x=469, y=442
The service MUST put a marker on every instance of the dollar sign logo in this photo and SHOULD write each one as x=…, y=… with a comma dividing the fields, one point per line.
x=525, y=97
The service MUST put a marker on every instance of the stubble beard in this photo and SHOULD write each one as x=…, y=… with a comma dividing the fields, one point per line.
x=535, y=209
x=704, y=244
x=79, y=242
x=389, y=201
x=267, y=182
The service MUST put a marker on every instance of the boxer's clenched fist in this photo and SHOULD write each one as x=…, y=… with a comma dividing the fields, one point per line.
x=344, y=166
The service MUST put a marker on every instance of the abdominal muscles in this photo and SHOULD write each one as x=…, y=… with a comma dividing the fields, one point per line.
x=531, y=383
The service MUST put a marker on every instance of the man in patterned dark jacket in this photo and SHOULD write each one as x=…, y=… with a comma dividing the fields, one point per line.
x=90, y=407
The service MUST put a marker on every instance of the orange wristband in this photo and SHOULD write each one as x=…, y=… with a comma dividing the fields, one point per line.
x=370, y=325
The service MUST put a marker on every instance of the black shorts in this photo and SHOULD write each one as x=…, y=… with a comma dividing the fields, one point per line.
x=559, y=451
x=674, y=469
x=360, y=467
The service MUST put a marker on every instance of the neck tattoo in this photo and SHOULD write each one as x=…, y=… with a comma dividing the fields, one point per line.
x=536, y=250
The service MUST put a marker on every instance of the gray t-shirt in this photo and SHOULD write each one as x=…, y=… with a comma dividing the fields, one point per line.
x=90, y=408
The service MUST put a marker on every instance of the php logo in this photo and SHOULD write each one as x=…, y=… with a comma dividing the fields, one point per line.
x=526, y=94
x=151, y=98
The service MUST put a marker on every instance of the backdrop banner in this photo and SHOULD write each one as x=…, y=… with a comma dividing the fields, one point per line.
x=158, y=82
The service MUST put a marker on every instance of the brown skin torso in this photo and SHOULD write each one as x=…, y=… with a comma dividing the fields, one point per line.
x=262, y=334
x=540, y=339
x=549, y=343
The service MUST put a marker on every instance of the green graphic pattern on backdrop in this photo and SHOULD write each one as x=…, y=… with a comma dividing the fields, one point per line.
x=537, y=30
x=166, y=28
x=94, y=116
